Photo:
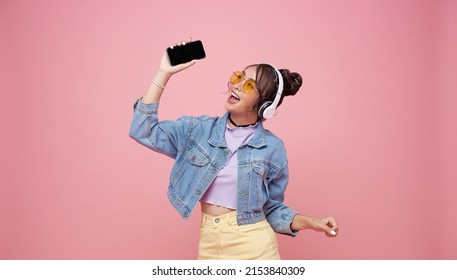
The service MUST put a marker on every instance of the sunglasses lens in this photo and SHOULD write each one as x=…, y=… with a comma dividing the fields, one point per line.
x=236, y=77
x=249, y=86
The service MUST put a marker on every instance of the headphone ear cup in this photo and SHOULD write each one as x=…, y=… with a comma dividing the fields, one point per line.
x=263, y=108
x=269, y=112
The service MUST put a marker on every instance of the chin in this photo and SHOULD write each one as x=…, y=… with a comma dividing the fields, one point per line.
x=228, y=107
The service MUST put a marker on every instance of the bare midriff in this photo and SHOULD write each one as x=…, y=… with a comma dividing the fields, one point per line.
x=214, y=210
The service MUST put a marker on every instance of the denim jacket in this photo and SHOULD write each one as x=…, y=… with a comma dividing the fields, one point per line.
x=198, y=146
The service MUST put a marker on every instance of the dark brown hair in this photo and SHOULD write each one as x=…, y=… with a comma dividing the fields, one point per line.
x=267, y=83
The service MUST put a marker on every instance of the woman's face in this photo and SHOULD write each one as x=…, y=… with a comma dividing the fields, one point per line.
x=242, y=94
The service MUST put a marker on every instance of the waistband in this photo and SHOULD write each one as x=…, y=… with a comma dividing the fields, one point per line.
x=224, y=219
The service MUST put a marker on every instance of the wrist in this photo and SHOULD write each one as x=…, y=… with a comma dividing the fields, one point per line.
x=301, y=222
x=160, y=78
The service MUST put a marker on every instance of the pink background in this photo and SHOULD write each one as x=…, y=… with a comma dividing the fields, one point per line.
x=371, y=136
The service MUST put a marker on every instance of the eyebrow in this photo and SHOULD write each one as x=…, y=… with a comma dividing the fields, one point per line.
x=244, y=77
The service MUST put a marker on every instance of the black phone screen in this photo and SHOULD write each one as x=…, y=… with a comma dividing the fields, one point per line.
x=185, y=53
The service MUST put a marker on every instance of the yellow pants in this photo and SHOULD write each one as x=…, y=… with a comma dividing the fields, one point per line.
x=222, y=239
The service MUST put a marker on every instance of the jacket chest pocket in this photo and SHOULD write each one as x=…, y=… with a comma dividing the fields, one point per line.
x=197, y=155
x=261, y=169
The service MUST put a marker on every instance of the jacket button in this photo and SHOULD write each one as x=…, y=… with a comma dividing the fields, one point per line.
x=198, y=192
x=214, y=170
x=216, y=220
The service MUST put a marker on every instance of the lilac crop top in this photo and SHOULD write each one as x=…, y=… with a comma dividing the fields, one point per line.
x=223, y=189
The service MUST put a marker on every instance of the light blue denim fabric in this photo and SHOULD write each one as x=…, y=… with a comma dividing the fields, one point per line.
x=198, y=146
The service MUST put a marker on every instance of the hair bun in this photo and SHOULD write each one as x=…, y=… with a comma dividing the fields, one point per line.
x=292, y=82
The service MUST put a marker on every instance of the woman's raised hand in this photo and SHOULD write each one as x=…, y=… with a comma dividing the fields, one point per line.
x=165, y=65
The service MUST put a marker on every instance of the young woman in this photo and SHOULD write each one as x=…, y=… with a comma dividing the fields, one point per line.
x=235, y=168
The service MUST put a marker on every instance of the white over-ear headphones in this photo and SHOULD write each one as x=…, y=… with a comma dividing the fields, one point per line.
x=268, y=109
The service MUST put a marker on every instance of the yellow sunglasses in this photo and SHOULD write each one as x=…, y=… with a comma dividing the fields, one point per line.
x=249, y=84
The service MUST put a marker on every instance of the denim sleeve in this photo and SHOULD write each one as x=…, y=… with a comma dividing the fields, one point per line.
x=164, y=137
x=278, y=214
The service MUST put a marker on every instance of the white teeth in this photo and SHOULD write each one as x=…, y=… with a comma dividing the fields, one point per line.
x=236, y=96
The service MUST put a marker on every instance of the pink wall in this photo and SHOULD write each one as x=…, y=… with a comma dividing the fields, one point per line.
x=371, y=137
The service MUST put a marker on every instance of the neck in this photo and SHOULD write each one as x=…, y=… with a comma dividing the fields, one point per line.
x=241, y=123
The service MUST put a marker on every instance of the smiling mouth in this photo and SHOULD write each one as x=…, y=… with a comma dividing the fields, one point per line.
x=234, y=96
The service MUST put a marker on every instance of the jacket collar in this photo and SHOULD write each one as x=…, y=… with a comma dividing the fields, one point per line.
x=218, y=136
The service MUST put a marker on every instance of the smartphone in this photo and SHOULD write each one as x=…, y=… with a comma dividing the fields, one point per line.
x=185, y=53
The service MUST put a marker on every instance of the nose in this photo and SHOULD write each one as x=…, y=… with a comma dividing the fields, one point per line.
x=236, y=86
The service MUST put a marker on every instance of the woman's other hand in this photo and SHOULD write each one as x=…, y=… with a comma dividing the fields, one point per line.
x=325, y=224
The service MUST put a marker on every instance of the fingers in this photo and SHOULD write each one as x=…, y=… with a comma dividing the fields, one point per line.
x=331, y=227
x=182, y=43
x=331, y=233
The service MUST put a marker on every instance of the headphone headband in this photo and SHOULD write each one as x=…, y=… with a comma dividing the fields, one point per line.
x=268, y=108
